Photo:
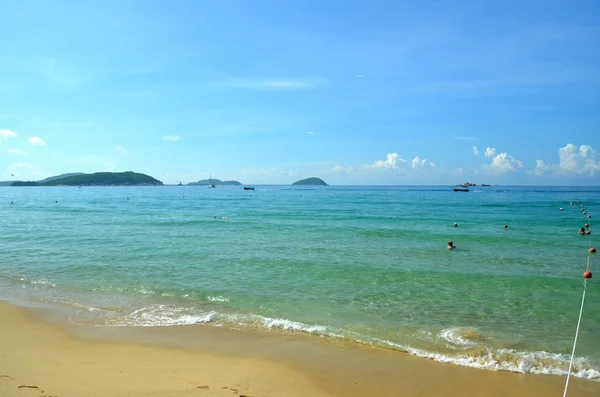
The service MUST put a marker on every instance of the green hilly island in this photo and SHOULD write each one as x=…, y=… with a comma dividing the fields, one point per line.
x=314, y=181
x=216, y=182
x=128, y=178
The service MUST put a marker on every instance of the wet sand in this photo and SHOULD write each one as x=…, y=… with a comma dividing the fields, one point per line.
x=44, y=357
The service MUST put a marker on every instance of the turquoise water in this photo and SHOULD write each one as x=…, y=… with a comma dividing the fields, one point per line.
x=366, y=264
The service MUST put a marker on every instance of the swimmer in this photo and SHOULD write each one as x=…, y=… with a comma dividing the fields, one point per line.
x=506, y=226
x=456, y=225
x=450, y=245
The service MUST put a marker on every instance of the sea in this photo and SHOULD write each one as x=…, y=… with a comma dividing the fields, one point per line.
x=368, y=265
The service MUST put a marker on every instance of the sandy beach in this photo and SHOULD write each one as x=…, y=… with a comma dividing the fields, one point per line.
x=46, y=358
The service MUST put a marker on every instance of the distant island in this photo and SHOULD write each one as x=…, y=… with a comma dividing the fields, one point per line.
x=216, y=182
x=310, y=182
x=128, y=178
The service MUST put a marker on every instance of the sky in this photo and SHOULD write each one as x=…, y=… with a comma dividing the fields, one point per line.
x=270, y=92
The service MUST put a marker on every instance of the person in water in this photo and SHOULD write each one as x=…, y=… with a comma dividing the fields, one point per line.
x=582, y=231
x=450, y=245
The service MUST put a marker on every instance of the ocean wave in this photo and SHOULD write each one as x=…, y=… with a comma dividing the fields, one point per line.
x=468, y=345
x=509, y=360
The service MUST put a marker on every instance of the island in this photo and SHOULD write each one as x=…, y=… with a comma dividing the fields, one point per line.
x=314, y=181
x=216, y=182
x=128, y=178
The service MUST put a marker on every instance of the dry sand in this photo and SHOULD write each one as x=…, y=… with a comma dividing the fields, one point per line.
x=40, y=358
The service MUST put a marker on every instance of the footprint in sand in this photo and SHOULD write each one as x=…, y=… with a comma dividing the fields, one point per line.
x=203, y=387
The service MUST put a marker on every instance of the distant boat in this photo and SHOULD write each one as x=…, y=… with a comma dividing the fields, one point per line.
x=248, y=188
x=461, y=190
x=210, y=184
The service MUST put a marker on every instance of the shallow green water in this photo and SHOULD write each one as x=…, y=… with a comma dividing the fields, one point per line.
x=368, y=264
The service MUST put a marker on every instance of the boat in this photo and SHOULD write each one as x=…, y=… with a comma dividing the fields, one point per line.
x=248, y=188
x=461, y=190
x=210, y=184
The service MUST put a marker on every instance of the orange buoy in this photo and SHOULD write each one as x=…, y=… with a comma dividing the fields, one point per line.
x=588, y=232
x=587, y=225
x=592, y=250
x=587, y=274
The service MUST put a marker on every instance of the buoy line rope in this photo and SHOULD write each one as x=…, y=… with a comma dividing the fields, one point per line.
x=587, y=269
x=575, y=342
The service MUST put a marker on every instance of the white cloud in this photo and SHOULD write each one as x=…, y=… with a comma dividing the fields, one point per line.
x=540, y=167
x=36, y=141
x=8, y=134
x=339, y=168
x=490, y=151
x=18, y=152
x=476, y=150
x=171, y=138
x=578, y=161
x=311, y=132
x=121, y=149
x=392, y=162
x=504, y=163
x=465, y=138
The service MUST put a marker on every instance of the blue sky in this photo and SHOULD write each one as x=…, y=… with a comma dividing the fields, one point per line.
x=355, y=92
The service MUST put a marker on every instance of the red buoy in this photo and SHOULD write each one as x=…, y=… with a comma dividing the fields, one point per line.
x=587, y=274
x=588, y=232
x=587, y=225
x=592, y=250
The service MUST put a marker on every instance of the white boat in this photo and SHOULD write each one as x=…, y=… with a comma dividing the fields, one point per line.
x=210, y=184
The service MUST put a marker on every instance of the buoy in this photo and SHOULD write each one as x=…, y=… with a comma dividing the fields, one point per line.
x=587, y=225
x=456, y=225
x=584, y=213
x=588, y=232
x=506, y=226
x=587, y=274
x=561, y=208
x=592, y=250
x=589, y=217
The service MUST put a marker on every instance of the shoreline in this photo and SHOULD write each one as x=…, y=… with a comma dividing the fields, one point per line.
x=41, y=349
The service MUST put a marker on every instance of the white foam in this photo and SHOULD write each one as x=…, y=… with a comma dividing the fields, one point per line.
x=288, y=325
x=513, y=361
x=458, y=337
x=218, y=298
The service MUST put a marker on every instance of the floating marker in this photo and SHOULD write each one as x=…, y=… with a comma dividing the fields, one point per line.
x=589, y=217
x=592, y=250
x=587, y=225
x=561, y=208
x=588, y=232
x=587, y=274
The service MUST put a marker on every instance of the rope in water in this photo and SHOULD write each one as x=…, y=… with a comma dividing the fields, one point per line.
x=587, y=269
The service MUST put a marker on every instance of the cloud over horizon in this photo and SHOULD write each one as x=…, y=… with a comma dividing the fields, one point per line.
x=490, y=151
x=392, y=161
x=36, y=141
x=572, y=160
x=18, y=152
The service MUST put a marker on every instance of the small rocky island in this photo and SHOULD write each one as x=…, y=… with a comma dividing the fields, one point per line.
x=314, y=181
x=216, y=182
x=128, y=178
